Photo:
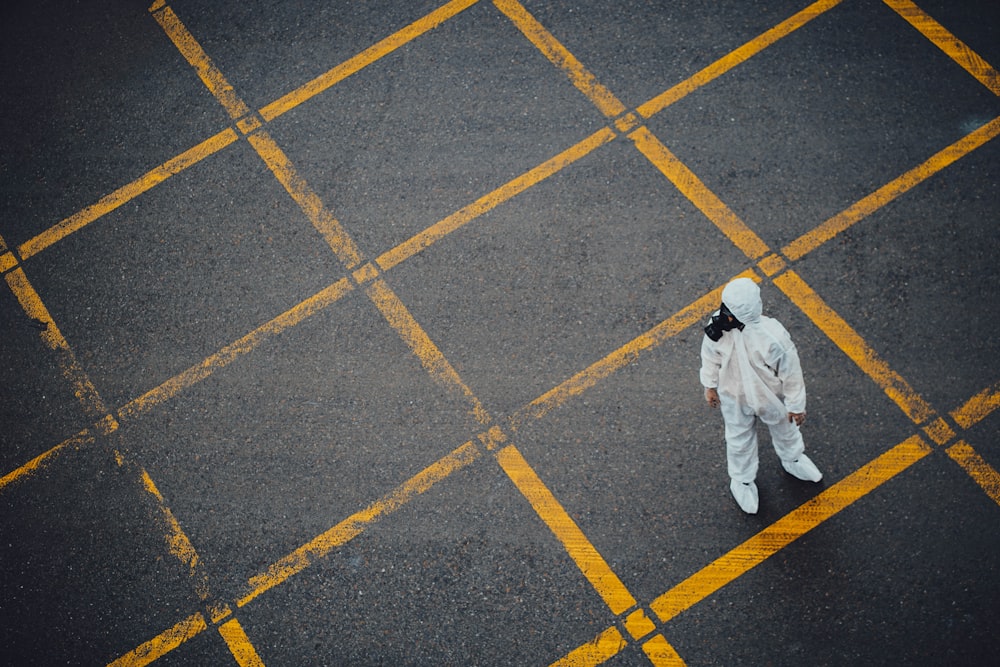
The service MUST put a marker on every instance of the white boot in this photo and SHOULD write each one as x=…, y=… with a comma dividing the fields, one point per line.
x=745, y=494
x=803, y=468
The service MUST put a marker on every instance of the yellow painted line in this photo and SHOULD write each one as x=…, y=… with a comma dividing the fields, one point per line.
x=559, y=56
x=7, y=262
x=979, y=470
x=661, y=653
x=73, y=443
x=128, y=192
x=355, y=524
x=178, y=543
x=602, y=648
x=233, y=351
x=890, y=191
x=239, y=644
x=855, y=347
x=583, y=553
x=197, y=58
x=82, y=387
x=626, y=354
x=957, y=50
x=439, y=230
x=789, y=528
x=164, y=643
x=363, y=59
x=978, y=407
x=400, y=319
x=691, y=187
x=740, y=55
x=306, y=198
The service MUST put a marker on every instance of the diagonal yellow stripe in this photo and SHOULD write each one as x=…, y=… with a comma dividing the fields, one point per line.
x=363, y=59
x=890, y=191
x=602, y=648
x=855, y=347
x=968, y=59
x=239, y=644
x=583, y=553
x=164, y=643
x=978, y=407
x=979, y=470
x=789, y=528
x=550, y=47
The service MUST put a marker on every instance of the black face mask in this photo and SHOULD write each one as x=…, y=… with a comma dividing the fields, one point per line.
x=721, y=323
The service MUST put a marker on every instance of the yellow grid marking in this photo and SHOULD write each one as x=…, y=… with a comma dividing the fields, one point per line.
x=490, y=201
x=691, y=187
x=7, y=262
x=73, y=443
x=162, y=644
x=365, y=274
x=978, y=407
x=233, y=351
x=550, y=47
x=789, y=528
x=977, y=468
x=947, y=42
x=306, y=198
x=32, y=305
x=195, y=55
x=772, y=264
x=239, y=644
x=939, y=431
x=363, y=59
x=602, y=648
x=355, y=524
x=855, y=347
x=128, y=192
x=621, y=357
x=740, y=55
x=890, y=191
x=248, y=124
x=400, y=319
x=638, y=624
x=493, y=438
x=583, y=553
x=661, y=653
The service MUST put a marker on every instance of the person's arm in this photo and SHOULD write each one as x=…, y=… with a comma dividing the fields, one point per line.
x=711, y=362
x=788, y=368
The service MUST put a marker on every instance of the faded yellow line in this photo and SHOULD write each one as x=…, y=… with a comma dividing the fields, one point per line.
x=163, y=643
x=661, y=653
x=363, y=59
x=73, y=443
x=127, y=193
x=400, y=319
x=82, y=387
x=550, y=47
x=306, y=198
x=890, y=191
x=789, y=528
x=7, y=261
x=583, y=553
x=602, y=648
x=490, y=201
x=197, y=58
x=178, y=543
x=978, y=469
x=740, y=55
x=626, y=354
x=239, y=644
x=691, y=187
x=957, y=50
x=355, y=524
x=233, y=351
x=978, y=407
x=855, y=347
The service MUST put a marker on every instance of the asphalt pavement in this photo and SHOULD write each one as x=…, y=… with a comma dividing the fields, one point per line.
x=368, y=333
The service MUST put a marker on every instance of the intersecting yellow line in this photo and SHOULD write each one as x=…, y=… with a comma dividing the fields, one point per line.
x=978, y=407
x=891, y=190
x=957, y=50
x=550, y=47
x=363, y=59
x=127, y=192
x=164, y=643
x=239, y=644
x=731, y=60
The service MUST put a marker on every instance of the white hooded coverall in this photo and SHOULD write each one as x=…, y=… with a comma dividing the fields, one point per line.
x=757, y=374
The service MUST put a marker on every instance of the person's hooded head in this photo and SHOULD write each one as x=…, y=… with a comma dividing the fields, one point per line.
x=742, y=298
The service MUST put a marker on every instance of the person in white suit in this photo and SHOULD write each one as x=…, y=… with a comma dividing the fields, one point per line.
x=750, y=369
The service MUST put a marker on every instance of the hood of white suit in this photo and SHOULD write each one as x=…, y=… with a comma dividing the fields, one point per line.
x=742, y=298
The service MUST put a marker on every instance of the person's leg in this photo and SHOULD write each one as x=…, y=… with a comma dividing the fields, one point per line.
x=787, y=440
x=741, y=440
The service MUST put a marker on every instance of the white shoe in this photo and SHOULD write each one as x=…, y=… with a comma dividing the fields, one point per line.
x=803, y=468
x=745, y=494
